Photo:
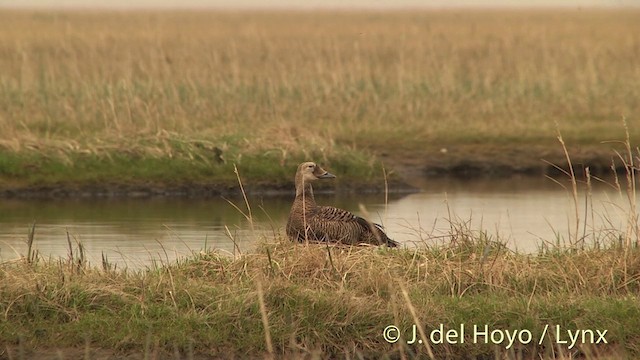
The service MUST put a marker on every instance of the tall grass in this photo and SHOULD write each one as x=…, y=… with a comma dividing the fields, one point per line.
x=298, y=84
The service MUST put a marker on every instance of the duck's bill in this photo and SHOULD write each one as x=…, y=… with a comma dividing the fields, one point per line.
x=326, y=175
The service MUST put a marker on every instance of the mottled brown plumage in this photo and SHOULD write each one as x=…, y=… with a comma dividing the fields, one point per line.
x=309, y=222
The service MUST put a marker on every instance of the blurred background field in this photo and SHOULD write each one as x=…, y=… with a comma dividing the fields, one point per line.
x=169, y=97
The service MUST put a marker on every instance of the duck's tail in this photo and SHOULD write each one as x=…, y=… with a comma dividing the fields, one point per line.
x=381, y=236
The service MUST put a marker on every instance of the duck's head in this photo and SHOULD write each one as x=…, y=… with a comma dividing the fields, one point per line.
x=310, y=171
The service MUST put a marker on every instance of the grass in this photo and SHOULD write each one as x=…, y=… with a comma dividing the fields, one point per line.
x=194, y=166
x=210, y=304
x=149, y=96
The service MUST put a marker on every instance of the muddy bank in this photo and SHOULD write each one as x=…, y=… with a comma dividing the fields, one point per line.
x=472, y=161
x=187, y=190
x=406, y=171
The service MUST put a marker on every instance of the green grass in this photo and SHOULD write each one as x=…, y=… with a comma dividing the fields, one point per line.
x=208, y=304
x=182, y=164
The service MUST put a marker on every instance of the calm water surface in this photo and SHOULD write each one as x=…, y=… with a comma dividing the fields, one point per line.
x=135, y=233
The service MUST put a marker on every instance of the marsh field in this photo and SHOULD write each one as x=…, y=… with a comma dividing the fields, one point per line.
x=102, y=99
x=96, y=103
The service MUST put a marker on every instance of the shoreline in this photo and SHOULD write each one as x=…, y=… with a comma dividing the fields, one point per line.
x=408, y=173
x=186, y=191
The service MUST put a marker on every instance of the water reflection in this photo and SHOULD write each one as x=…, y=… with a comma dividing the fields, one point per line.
x=130, y=232
x=133, y=233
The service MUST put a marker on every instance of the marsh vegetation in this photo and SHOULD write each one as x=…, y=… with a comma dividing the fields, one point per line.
x=95, y=98
x=306, y=301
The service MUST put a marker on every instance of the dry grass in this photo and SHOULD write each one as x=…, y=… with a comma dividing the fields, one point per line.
x=292, y=83
x=313, y=304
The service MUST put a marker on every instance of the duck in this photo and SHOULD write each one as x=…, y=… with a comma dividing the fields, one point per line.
x=309, y=222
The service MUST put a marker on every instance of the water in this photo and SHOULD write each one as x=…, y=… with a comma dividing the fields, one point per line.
x=135, y=233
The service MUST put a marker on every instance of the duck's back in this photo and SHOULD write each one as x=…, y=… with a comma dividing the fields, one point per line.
x=327, y=223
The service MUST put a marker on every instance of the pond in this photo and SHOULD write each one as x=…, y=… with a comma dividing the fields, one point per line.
x=137, y=233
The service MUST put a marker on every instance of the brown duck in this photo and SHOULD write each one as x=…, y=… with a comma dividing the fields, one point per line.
x=310, y=222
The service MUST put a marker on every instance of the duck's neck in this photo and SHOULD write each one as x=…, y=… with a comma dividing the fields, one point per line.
x=304, y=194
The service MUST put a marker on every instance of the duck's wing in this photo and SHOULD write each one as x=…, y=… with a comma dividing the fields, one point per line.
x=339, y=225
